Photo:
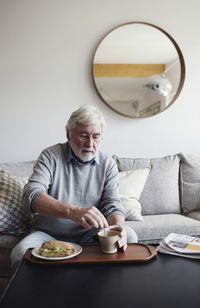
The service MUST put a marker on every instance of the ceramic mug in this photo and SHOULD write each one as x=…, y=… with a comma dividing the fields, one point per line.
x=108, y=240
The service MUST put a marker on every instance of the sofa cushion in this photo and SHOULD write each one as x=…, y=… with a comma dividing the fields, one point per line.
x=131, y=184
x=156, y=227
x=190, y=182
x=13, y=216
x=5, y=263
x=161, y=191
x=21, y=169
x=9, y=240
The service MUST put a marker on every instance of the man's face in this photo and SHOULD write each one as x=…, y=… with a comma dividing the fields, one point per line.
x=84, y=140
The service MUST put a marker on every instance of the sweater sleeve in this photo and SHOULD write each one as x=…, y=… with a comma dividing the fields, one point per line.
x=39, y=181
x=110, y=202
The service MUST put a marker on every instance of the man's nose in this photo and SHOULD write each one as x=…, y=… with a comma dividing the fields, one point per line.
x=90, y=141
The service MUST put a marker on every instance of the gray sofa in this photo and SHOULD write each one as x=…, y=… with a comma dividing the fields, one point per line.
x=170, y=200
x=166, y=200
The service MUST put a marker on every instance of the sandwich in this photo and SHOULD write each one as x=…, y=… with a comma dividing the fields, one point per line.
x=56, y=249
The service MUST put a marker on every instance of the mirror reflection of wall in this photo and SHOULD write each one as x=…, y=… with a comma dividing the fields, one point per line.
x=138, y=70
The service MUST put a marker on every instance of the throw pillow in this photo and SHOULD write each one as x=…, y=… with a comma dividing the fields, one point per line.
x=131, y=184
x=161, y=191
x=190, y=183
x=13, y=216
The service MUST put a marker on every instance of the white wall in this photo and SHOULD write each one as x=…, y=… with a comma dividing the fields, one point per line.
x=45, y=73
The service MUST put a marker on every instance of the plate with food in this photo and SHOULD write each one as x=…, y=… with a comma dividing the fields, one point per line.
x=56, y=250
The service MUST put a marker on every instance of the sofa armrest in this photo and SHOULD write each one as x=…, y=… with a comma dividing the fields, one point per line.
x=194, y=215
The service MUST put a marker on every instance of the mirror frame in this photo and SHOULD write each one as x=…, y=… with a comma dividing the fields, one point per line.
x=182, y=68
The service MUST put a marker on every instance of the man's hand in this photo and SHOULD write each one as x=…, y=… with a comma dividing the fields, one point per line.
x=88, y=217
x=122, y=242
x=116, y=222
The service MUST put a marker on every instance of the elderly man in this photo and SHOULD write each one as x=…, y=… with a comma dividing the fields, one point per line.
x=73, y=191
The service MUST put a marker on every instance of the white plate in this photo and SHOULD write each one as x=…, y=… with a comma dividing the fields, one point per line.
x=77, y=249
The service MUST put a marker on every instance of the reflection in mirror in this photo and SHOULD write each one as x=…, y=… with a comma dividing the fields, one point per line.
x=138, y=70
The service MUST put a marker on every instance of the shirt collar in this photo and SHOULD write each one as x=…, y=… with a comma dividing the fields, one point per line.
x=71, y=156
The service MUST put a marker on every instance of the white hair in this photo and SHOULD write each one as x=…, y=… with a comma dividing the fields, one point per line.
x=86, y=115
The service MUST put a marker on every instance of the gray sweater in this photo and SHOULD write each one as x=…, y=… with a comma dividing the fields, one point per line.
x=67, y=180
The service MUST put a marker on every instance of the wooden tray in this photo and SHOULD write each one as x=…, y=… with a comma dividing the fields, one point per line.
x=135, y=252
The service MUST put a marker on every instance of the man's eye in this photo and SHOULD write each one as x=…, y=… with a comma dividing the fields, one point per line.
x=84, y=136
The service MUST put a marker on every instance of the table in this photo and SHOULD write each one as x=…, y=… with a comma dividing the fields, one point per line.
x=165, y=281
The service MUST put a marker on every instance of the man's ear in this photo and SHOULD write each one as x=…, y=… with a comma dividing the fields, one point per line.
x=68, y=135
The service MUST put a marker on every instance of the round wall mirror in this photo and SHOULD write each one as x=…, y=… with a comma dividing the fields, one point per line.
x=138, y=70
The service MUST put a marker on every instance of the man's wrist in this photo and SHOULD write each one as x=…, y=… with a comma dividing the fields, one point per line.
x=116, y=220
x=68, y=209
